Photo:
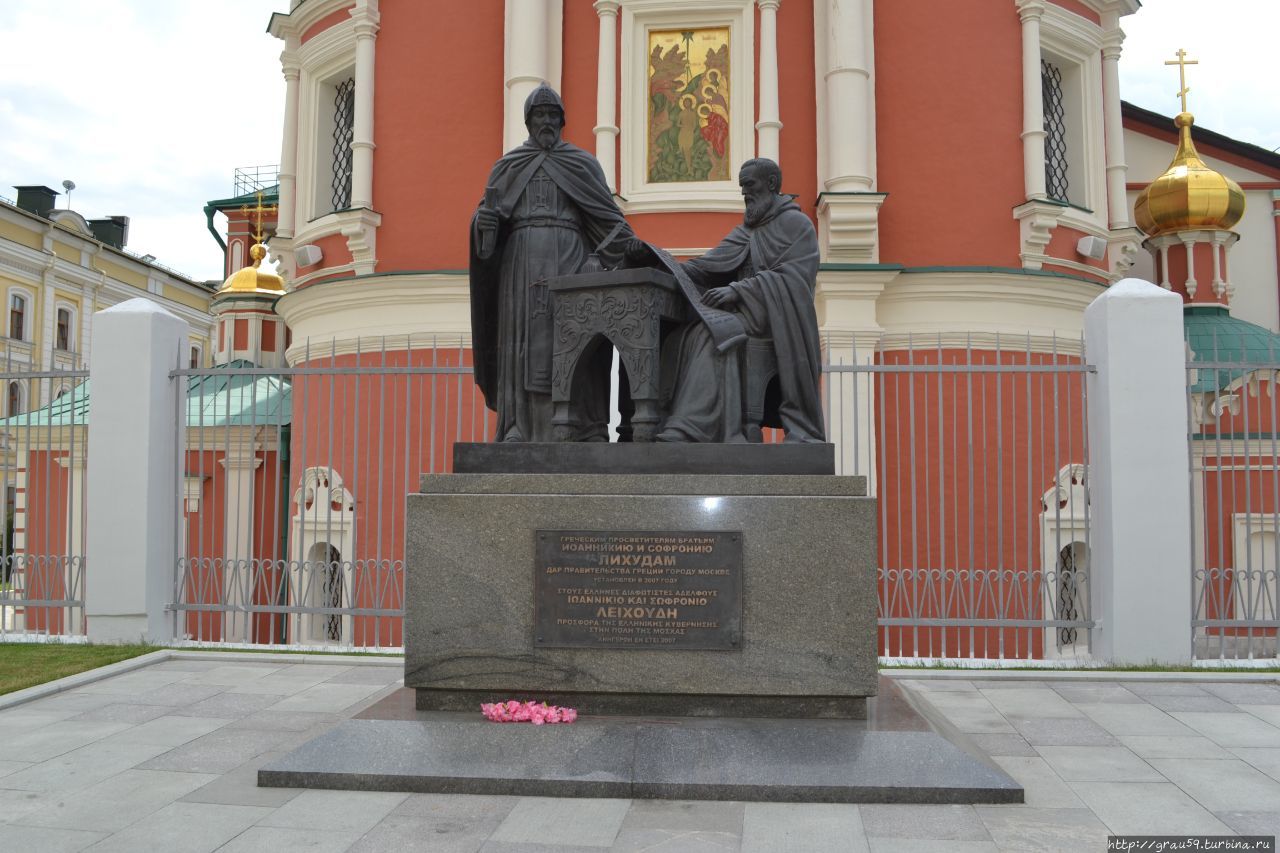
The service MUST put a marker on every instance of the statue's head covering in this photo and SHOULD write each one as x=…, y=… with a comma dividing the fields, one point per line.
x=544, y=95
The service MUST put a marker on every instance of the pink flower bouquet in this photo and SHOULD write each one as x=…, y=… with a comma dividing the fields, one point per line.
x=537, y=713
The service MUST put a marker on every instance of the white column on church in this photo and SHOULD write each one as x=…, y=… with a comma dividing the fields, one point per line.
x=848, y=98
x=366, y=17
x=1032, y=103
x=606, y=129
x=528, y=62
x=1117, y=200
x=769, y=126
x=287, y=216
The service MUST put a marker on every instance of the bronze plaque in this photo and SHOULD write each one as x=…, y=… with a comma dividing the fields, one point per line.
x=643, y=589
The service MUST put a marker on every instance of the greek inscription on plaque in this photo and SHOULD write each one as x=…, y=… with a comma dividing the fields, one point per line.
x=638, y=589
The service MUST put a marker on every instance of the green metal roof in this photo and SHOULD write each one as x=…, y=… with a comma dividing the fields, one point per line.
x=217, y=399
x=1214, y=336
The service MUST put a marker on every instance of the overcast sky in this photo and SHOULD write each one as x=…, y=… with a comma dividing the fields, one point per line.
x=151, y=105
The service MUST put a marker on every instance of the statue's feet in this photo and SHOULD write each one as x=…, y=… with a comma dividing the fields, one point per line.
x=513, y=435
x=562, y=432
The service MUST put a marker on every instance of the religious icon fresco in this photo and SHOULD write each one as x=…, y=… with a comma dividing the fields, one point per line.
x=688, y=131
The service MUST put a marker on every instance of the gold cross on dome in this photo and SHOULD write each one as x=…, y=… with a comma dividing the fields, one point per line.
x=1182, y=62
x=257, y=213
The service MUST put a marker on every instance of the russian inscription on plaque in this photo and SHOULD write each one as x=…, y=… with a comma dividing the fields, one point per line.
x=638, y=589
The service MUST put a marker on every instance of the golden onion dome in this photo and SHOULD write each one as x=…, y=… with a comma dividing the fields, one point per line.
x=253, y=279
x=1189, y=196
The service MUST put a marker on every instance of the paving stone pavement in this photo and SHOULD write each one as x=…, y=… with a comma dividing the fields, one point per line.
x=165, y=758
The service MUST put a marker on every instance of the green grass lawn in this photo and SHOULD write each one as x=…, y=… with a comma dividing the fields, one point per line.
x=25, y=665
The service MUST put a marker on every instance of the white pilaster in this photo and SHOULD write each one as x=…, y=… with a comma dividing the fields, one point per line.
x=1117, y=170
x=366, y=16
x=1141, y=560
x=132, y=472
x=287, y=216
x=240, y=463
x=1030, y=12
x=528, y=62
x=768, y=125
x=1189, y=244
x=606, y=129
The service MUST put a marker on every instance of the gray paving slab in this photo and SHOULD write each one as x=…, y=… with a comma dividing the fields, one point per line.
x=1042, y=786
x=920, y=845
x=183, y=828
x=1220, y=784
x=170, y=730
x=1098, y=764
x=1002, y=744
x=1245, y=694
x=239, y=787
x=257, y=839
x=325, y=671
x=1269, y=714
x=1013, y=683
x=943, y=823
x=123, y=713
x=82, y=767
x=1060, y=732
x=938, y=685
x=1265, y=758
x=676, y=841
x=1095, y=694
x=71, y=700
x=1044, y=830
x=51, y=741
x=132, y=683
x=1123, y=719
x=1165, y=688
x=285, y=721
x=14, y=804
x=39, y=839
x=1165, y=746
x=1235, y=729
x=1031, y=703
x=473, y=809
x=27, y=717
x=339, y=811
x=220, y=751
x=274, y=688
x=529, y=847
x=232, y=674
x=1252, y=823
x=188, y=665
x=397, y=834
x=687, y=815
x=328, y=698
x=229, y=705
x=8, y=767
x=566, y=823
x=1181, y=702
x=1148, y=808
x=178, y=694
x=115, y=803
x=769, y=827
x=369, y=675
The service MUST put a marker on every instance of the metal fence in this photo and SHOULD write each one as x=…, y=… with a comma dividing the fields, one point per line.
x=978, y=457
x=290, y=511
x=1233, y=418
x=42, y=481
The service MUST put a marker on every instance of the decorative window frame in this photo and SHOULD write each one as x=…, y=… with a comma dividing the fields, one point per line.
x=24, y=396
x=72, y=326
x=196, y=354
x=639, y=18
x=28, y=313
x=1064, y=523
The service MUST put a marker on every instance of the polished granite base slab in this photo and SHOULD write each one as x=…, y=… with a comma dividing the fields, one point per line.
x=892, y=757
x=602, y=457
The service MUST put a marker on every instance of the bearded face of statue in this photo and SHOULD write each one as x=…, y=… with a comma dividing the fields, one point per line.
x=758, y=189
x=545, y=123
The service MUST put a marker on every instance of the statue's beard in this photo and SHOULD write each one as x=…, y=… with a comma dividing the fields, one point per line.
x=757, y=208
x=547, y=137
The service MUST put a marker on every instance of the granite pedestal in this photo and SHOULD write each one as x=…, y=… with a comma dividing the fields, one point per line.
x=808, y=596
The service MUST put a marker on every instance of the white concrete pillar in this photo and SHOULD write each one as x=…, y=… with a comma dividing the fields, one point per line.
x=287, y=216
x=365, y=15
x=1117, y=170
x=1140, y=583
x=1030, y=12
x=849, y=97
x=240, y=463
x=769, y=125
x=133, y=472
x=606, y=129
x=528, y=62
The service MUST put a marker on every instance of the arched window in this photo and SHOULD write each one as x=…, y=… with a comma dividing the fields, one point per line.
x=63, y=330
x=195, y=357
x=17, y=398
x=17, y=316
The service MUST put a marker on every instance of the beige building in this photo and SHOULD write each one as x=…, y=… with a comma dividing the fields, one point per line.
x=56, y=270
